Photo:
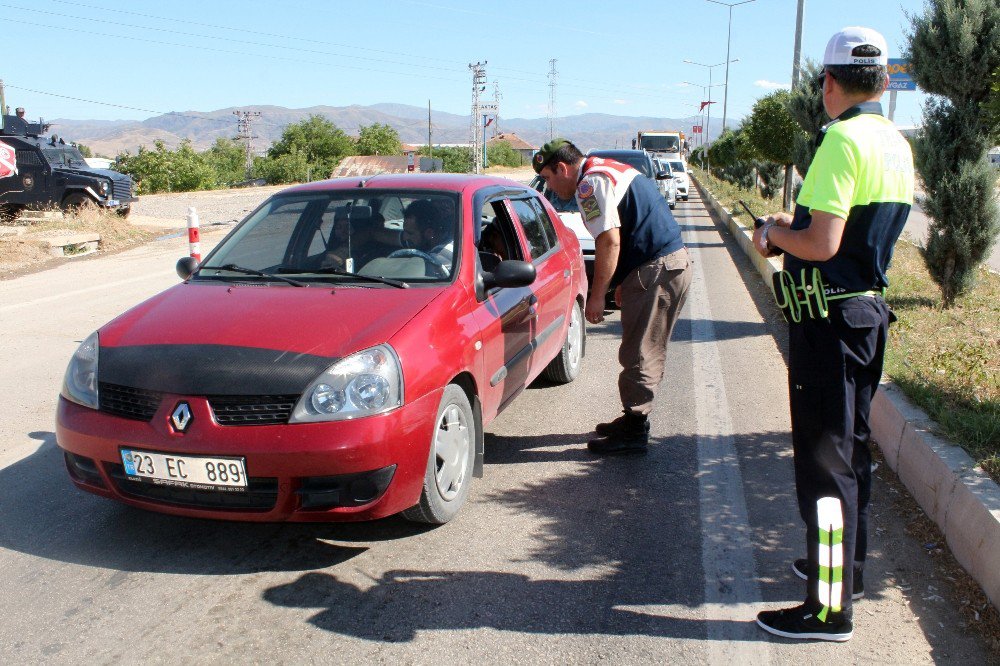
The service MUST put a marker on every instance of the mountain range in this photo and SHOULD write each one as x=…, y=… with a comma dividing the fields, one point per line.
x=589, y=130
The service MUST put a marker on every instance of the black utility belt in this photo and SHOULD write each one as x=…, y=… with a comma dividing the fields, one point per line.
x=810, y=295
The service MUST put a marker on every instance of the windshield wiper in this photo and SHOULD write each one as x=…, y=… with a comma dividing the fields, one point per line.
x=336, y=271
x=251, y=271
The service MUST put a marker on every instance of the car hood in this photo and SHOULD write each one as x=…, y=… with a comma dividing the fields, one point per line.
x=218, y=338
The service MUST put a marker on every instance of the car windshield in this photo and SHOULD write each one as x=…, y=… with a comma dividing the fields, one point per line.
x=637, y=160
x=63, y=156
x=342, y=236
x=677, y=166
x=660, y=142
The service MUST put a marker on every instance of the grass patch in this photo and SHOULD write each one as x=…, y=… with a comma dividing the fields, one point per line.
x=946, y=361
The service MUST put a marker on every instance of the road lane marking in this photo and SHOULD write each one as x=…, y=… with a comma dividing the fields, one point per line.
x=731, y=589
x=77, y=292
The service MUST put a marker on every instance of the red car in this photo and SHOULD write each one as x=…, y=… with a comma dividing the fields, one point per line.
x=336, y=357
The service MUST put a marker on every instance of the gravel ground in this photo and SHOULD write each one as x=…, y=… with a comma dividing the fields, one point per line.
x=170, y=211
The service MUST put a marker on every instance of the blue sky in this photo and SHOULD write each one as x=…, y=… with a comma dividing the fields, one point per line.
x=141, y=57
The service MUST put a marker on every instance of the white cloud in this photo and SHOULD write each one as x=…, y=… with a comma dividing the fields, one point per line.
x=580, y=104
x=621, y=101
x=771, y=85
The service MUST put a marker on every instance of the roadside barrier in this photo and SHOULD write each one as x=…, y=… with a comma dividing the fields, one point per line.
x=194, y=234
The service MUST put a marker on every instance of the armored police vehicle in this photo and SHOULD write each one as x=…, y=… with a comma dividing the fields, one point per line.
x=51, y=172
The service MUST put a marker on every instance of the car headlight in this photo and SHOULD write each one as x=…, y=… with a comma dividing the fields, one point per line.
x=369, y=382
x=105, y=187
x=80, y=383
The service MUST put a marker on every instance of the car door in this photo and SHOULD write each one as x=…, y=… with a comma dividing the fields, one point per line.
x=553, y=281
x=506, y=317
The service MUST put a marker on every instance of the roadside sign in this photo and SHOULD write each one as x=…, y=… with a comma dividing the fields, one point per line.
x=8, y=161
x=696, y=129
x=899, y=75
x=488, y=108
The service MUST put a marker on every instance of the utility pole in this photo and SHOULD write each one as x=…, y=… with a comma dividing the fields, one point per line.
x=729, y=34
x=430, y=146
x=552, y=98
x=244, y=132
x=496, y=102
x=796, y=74
x=476, y=129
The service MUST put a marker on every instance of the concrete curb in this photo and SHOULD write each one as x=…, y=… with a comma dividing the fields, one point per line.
x=958, y=496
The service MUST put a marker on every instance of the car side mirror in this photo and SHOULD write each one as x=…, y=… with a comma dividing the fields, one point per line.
x=690, y=172
x=186, y=266
x=510, y=273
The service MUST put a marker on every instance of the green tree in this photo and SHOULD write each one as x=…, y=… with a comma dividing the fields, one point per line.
x=227, y=159
x=805, y=104
x=954, y=48
x=316, y=140
x=291, y=167
x=163, y=170
x=377, y=139
x=992, y=107
x=455, y=159
x=84, y=150
x=500, y=153
x=771, y=135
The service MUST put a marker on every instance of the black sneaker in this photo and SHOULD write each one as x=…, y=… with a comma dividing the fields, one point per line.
x=800, y=565
x=800, y=622
x=625, y=424
x=613, y=446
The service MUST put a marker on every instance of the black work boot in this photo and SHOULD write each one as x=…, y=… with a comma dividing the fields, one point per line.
x=622, y=425
x=625, y=435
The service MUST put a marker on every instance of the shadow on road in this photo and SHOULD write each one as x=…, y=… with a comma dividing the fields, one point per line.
x=46, y=516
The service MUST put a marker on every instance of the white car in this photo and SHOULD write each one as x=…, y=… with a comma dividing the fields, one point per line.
x=667, y=185
x=681, y=179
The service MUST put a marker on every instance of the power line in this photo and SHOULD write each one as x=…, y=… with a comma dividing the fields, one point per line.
x=244, y=125
x=552, y=98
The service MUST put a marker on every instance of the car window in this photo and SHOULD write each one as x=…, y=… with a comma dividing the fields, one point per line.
x=543, y=216
x=316, y=234
x=497, y=239
x=677, y=166
x=534, y=232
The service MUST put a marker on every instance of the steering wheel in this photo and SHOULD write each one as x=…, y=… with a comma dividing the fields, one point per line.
x=436, y=262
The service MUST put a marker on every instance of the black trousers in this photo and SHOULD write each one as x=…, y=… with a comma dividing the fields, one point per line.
x=834, y=369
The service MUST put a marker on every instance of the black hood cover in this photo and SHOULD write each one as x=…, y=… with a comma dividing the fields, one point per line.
x=210, y=369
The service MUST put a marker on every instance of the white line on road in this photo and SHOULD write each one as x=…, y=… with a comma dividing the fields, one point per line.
x=77, y=292
x=731, y=589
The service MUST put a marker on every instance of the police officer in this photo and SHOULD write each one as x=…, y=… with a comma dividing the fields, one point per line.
x=849, y=213
x=640, y=253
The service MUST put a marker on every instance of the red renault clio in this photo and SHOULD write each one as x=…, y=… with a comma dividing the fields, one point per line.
x=336, y=357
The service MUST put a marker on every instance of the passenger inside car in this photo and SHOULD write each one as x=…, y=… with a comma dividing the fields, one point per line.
x=356, y=239
x=492, y=248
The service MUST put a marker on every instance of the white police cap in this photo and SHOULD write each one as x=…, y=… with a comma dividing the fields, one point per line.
x=840, y=50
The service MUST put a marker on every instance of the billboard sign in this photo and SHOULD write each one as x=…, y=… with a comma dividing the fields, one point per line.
x=899, y=75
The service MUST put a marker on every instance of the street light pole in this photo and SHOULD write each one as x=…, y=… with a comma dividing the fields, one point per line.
x=708, y=124
x=729, y=33
x=701, y=112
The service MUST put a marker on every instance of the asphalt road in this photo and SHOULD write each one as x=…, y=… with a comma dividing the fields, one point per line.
x=559, y=557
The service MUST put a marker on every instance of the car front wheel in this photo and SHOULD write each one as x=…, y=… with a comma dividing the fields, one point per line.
x=565, y=367
x=449, y=465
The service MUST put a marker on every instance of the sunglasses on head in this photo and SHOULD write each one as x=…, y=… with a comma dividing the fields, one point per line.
x=821, y=79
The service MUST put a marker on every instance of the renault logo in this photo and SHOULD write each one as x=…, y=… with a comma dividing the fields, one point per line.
x=181, y=418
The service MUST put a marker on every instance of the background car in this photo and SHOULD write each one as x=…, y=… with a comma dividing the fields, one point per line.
x=668, y=188
x=682, y=179
x=641, y=161
x=335, y=357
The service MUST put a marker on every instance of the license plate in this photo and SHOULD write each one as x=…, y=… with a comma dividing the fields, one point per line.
x=185, y=470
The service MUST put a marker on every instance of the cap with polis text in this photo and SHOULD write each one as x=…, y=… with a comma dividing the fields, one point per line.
x=856, y=46
x=546, y=153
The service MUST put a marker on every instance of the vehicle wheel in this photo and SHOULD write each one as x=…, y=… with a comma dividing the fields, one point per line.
x=565, y=367
x=123, y=211
x=77, y=201
x=449, y=465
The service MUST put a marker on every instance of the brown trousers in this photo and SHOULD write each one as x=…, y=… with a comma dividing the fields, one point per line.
x=651, y=300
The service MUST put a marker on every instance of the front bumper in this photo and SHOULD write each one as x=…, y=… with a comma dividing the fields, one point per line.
x=360, y=469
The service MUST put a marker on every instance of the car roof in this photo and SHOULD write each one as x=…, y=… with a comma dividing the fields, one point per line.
x=619, y=152
x=409, y=181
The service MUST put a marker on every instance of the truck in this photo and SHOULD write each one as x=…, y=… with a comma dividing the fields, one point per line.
x=51, y=172
x=667, y=142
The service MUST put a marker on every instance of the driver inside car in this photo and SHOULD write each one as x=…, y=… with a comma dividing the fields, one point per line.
x=427, y=230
